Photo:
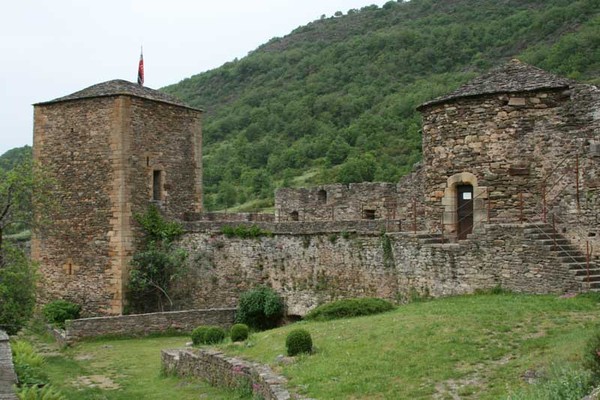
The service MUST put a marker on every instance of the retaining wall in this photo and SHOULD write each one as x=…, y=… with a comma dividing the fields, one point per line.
x=144, y=324
x=7, y=372
x=220, y=370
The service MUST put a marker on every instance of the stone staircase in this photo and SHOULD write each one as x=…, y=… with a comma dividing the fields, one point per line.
x=569, y=255
x=431, y=238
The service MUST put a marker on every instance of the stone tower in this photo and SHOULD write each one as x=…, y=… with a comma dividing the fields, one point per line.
x=115, y=148
x=498, y=147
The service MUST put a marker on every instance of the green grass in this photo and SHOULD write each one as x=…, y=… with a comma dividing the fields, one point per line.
x=128, y=369
x=472, y=346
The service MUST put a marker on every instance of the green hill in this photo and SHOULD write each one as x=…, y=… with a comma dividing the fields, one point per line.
x=334, y=100
x=15, y=156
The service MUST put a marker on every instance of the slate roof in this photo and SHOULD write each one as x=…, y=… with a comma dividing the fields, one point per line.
x=119, y=87
x=512, y=77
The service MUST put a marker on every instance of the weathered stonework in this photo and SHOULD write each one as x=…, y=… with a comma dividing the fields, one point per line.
x=220, y=370
x=8, y=378
x=106, y=145
x=143, y=324
x=517, y=148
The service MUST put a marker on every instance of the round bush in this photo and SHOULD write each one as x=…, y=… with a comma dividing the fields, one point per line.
x=58, y=311
x=298, y=341
x=198, y=335
x=260, y=308
x=239, y=332
x=349, y=308
x=214, y=335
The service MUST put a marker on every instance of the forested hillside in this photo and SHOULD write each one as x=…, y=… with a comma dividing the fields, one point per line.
x=334, y=100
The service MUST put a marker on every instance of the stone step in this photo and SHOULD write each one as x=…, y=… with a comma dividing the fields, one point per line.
x=550, y=242
x=545, y=236
x=582, y=270
x=594, y=285
x=592, y=278
x=572, y=259
x=434, y=240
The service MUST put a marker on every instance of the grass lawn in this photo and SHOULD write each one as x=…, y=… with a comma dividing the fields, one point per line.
x=124, y=369
x=478, y=347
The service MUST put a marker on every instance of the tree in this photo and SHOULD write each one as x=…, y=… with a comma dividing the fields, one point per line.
x=17, y=289
x=25, y=199
x=157, y=264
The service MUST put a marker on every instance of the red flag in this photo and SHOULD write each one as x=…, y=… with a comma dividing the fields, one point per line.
x=141, y=70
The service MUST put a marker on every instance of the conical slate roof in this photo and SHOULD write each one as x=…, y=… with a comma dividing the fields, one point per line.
x=119, y=87
x=512, y=77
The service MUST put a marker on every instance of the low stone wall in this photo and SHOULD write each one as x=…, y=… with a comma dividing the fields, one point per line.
x=220, y=370
x=7, y=372
x=144, y=324
x=229, y=217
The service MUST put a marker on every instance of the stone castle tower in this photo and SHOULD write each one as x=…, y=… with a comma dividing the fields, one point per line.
x=115, y=148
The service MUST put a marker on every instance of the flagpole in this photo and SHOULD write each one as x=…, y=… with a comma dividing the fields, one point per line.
x=140, y=78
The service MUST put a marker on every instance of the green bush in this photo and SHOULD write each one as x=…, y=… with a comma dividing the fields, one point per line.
x=239, y=332
x=592, y=357
x=260, y=308
x=39, y=393
x=198, y=335
x=214, y=335
x=58, y=311
x=349, y=308
x=298, y=341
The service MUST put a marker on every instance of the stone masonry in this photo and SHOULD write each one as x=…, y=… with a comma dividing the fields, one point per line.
x=508, y=193
x=114, y=148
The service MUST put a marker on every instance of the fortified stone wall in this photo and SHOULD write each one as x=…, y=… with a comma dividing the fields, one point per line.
x=337, y=202
x=112, y=156
x=74, y=140
x=168, y=139
x=310, y=269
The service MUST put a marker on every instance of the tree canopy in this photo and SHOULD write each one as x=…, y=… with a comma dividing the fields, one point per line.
x=334, y=101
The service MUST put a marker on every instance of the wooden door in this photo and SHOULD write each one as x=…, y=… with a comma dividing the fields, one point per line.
x=464, y=210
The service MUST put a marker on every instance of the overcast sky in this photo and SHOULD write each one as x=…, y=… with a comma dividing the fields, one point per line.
x=51, y=48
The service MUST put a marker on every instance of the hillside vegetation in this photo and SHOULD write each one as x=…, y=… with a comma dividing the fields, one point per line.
x=334, y=101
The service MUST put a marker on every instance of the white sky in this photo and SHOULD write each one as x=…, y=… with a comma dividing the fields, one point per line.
x=51, y=48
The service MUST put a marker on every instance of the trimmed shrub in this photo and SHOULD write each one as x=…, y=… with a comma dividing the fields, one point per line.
x=349, y=308
x=198, y=335
x=214, y=335
x=239, y=332
x=260, y=308
x=58, y=311
x=298, y=341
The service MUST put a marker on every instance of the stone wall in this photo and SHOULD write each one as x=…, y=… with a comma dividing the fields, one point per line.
x=517, y=149
x=73, y=141
x=230, y=372
x=145, y=324
x=337, y=202
x=8, y=378
x=310, y=269
x=106, y=154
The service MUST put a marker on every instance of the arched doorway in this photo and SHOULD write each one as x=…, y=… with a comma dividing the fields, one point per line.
x=464, y=210
x=464, y=205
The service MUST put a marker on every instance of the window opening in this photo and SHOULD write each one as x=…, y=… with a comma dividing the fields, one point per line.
x=322, y=196
x=368, y=214
x=157, y=185
x=294, y=216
